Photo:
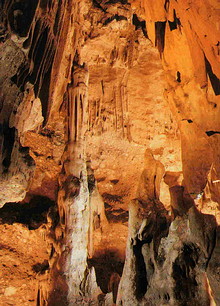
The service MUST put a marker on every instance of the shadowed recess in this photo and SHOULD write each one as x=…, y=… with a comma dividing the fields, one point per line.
x=20, y=16
x=32, y=214
x=8, y=143
x=175, y=23
x=160, y=27
x=184, y=274
x=141, y=272
x=139, y=24
x=213, y=78
x=105, y=264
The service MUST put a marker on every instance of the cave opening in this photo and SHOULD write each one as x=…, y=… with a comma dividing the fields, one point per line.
x=32, y=214
x=41, y=267
x=20, y=16
x=106, y=263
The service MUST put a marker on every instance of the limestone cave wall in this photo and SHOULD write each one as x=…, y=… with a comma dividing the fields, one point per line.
x=109, y=159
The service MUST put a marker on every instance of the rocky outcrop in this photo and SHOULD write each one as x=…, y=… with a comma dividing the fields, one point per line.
x=186, y=35
x=167, y=258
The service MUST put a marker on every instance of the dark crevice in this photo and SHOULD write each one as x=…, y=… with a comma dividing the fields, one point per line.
x=116, y=215
x=178, y=77
x=112, y=197
x=113, y=285
x=175, y=23
x=150, y=268
x=139, y=24
x=38, y=59
x=188, y=120
x=184, y=274
x=211, y=245
x=43, y=4
x=161, y=230
x=44, y=93
x=8, y=143
x=27, y=42
x=160, y=28
x=114, y=181
x=210, y=133
x=41, y=268
x=97, y=4
x=117, y=1
x=166, y=297
x=115, y=17
x=215, y=81
x=20, y=16
x=32, y=214
x=167, y=5
x=71, y=187
x=75, y=117
x=29, y=161
x=140, y=269
x=21, y=76
x=34, y=39
x=105, y=265
x=155, y=191
x=91, y=182
x=38, y=298
x=57, y=23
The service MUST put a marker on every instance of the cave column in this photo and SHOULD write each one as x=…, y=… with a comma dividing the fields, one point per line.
x=74, y=193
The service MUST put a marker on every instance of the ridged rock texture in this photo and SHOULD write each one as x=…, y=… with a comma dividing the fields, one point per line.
x=109, y=152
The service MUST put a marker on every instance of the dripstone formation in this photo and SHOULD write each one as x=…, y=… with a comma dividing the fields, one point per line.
x=109, y=152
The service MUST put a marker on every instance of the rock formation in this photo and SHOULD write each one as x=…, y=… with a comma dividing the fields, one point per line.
x=109, y=106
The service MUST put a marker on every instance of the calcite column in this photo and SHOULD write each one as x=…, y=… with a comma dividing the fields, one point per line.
x=74, y=195
x=75, y=199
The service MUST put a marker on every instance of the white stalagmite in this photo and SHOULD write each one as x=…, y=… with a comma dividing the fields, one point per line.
x=78, y=205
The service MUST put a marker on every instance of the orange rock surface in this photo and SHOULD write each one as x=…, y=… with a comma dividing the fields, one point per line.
x=109, y=152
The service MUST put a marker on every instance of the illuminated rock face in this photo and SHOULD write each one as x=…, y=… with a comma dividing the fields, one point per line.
x=105, y=107
x=185, y=250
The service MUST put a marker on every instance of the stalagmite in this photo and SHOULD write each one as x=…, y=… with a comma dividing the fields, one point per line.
x=76, y=202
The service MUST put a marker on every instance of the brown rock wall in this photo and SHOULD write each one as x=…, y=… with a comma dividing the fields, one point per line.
x=83, y=95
